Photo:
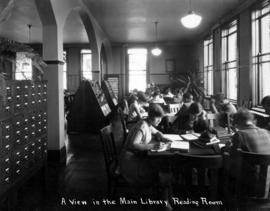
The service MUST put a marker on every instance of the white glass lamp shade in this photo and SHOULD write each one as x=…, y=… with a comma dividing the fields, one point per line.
x=191, y=20
x=156, y=51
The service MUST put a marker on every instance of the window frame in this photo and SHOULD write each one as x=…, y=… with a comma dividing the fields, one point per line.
x=225, y=63
x=146, y=65
x=81, y=59
x=208, y=68
x=257, y=55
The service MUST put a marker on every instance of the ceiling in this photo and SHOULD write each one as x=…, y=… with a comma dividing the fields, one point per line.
x=126, y=21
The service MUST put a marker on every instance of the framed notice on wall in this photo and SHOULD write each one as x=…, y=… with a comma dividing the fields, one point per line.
x=170, y=65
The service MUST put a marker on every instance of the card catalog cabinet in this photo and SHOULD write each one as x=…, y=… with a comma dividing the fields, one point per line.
x=23, y=131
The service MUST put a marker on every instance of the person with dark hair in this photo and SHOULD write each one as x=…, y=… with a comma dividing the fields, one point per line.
x=193, y=119
x=134, y=164
x=168, y=93
x=196, y=118
x=136, y=111
x=157, y=98
x=247, y=138
x=142, y=99
x=219, y=104
x=266, y=105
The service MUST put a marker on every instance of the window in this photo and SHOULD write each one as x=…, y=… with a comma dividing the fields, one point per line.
x=137, y=68
x=23, y=67
x=208, y=66
x=65, y=70
x=230, y=59
x=261, y=51
x=86, y=64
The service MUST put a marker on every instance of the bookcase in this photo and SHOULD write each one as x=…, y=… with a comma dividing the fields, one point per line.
x=23, y=132
x=109, y=94
x=90, y=110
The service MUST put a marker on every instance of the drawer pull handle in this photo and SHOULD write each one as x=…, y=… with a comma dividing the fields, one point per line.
x=18, y=132
x=26, y=157
x=7, y=170
x=7, y=127
x=18, y=153
x=7, y=146
x=18, y=171
x=18, y=162
x=7, y=179
x=18, y=141
x=7, y=137
x=7, y=160
x=33, y=152
x=25, y=137
x=25, y=148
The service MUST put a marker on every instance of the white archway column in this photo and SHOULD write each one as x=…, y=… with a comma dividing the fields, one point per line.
x=53, y=56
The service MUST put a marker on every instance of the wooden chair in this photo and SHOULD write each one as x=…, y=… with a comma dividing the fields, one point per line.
x=110, y=158
x=202, y=175
x=114, y=178
x=212, y=119
x=253, y=181
x=123, y=120
x=174, y=108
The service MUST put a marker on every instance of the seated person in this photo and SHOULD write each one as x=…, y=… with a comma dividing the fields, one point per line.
x=197, y=120
x=168, y=93
x=248, y=138
x=135, y=109
x=188, y=100
x=178, y=98
x=220, y=104
x=134, y=164
x=157, y=98
x=266, y=105
x=142, y=99
x=194, y=119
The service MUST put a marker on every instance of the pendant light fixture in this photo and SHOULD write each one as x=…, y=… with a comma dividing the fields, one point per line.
x=156, y=51
x=29, y=33
x=191, y=20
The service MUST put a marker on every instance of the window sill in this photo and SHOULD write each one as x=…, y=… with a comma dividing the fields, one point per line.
x=259, y=111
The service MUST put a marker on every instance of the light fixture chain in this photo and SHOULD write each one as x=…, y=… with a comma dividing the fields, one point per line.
x=29, y=32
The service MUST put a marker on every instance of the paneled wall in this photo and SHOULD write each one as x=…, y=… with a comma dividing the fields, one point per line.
x=181, y=54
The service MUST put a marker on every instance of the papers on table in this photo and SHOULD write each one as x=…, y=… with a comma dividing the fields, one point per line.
x=221, y=145
x=180, y=145
x=189, y=137
x=177, y=142
x=172, y=137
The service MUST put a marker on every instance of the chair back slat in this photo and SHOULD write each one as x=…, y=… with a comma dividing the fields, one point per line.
x=174, y=108
x=202, y=171
x=123, y=120
x=255, y=166
x=212, y=119
x=109, y=148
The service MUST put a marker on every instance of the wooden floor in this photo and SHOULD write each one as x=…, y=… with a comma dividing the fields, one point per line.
x=81, y=180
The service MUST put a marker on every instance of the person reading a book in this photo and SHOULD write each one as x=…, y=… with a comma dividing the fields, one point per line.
x=247, y=138
x=193, y=120
x=266, y=105
x=135, y=166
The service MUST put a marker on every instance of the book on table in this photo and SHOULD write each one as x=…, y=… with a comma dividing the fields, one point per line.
x=177, y=143
x=189, y=137
x=172, y=137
